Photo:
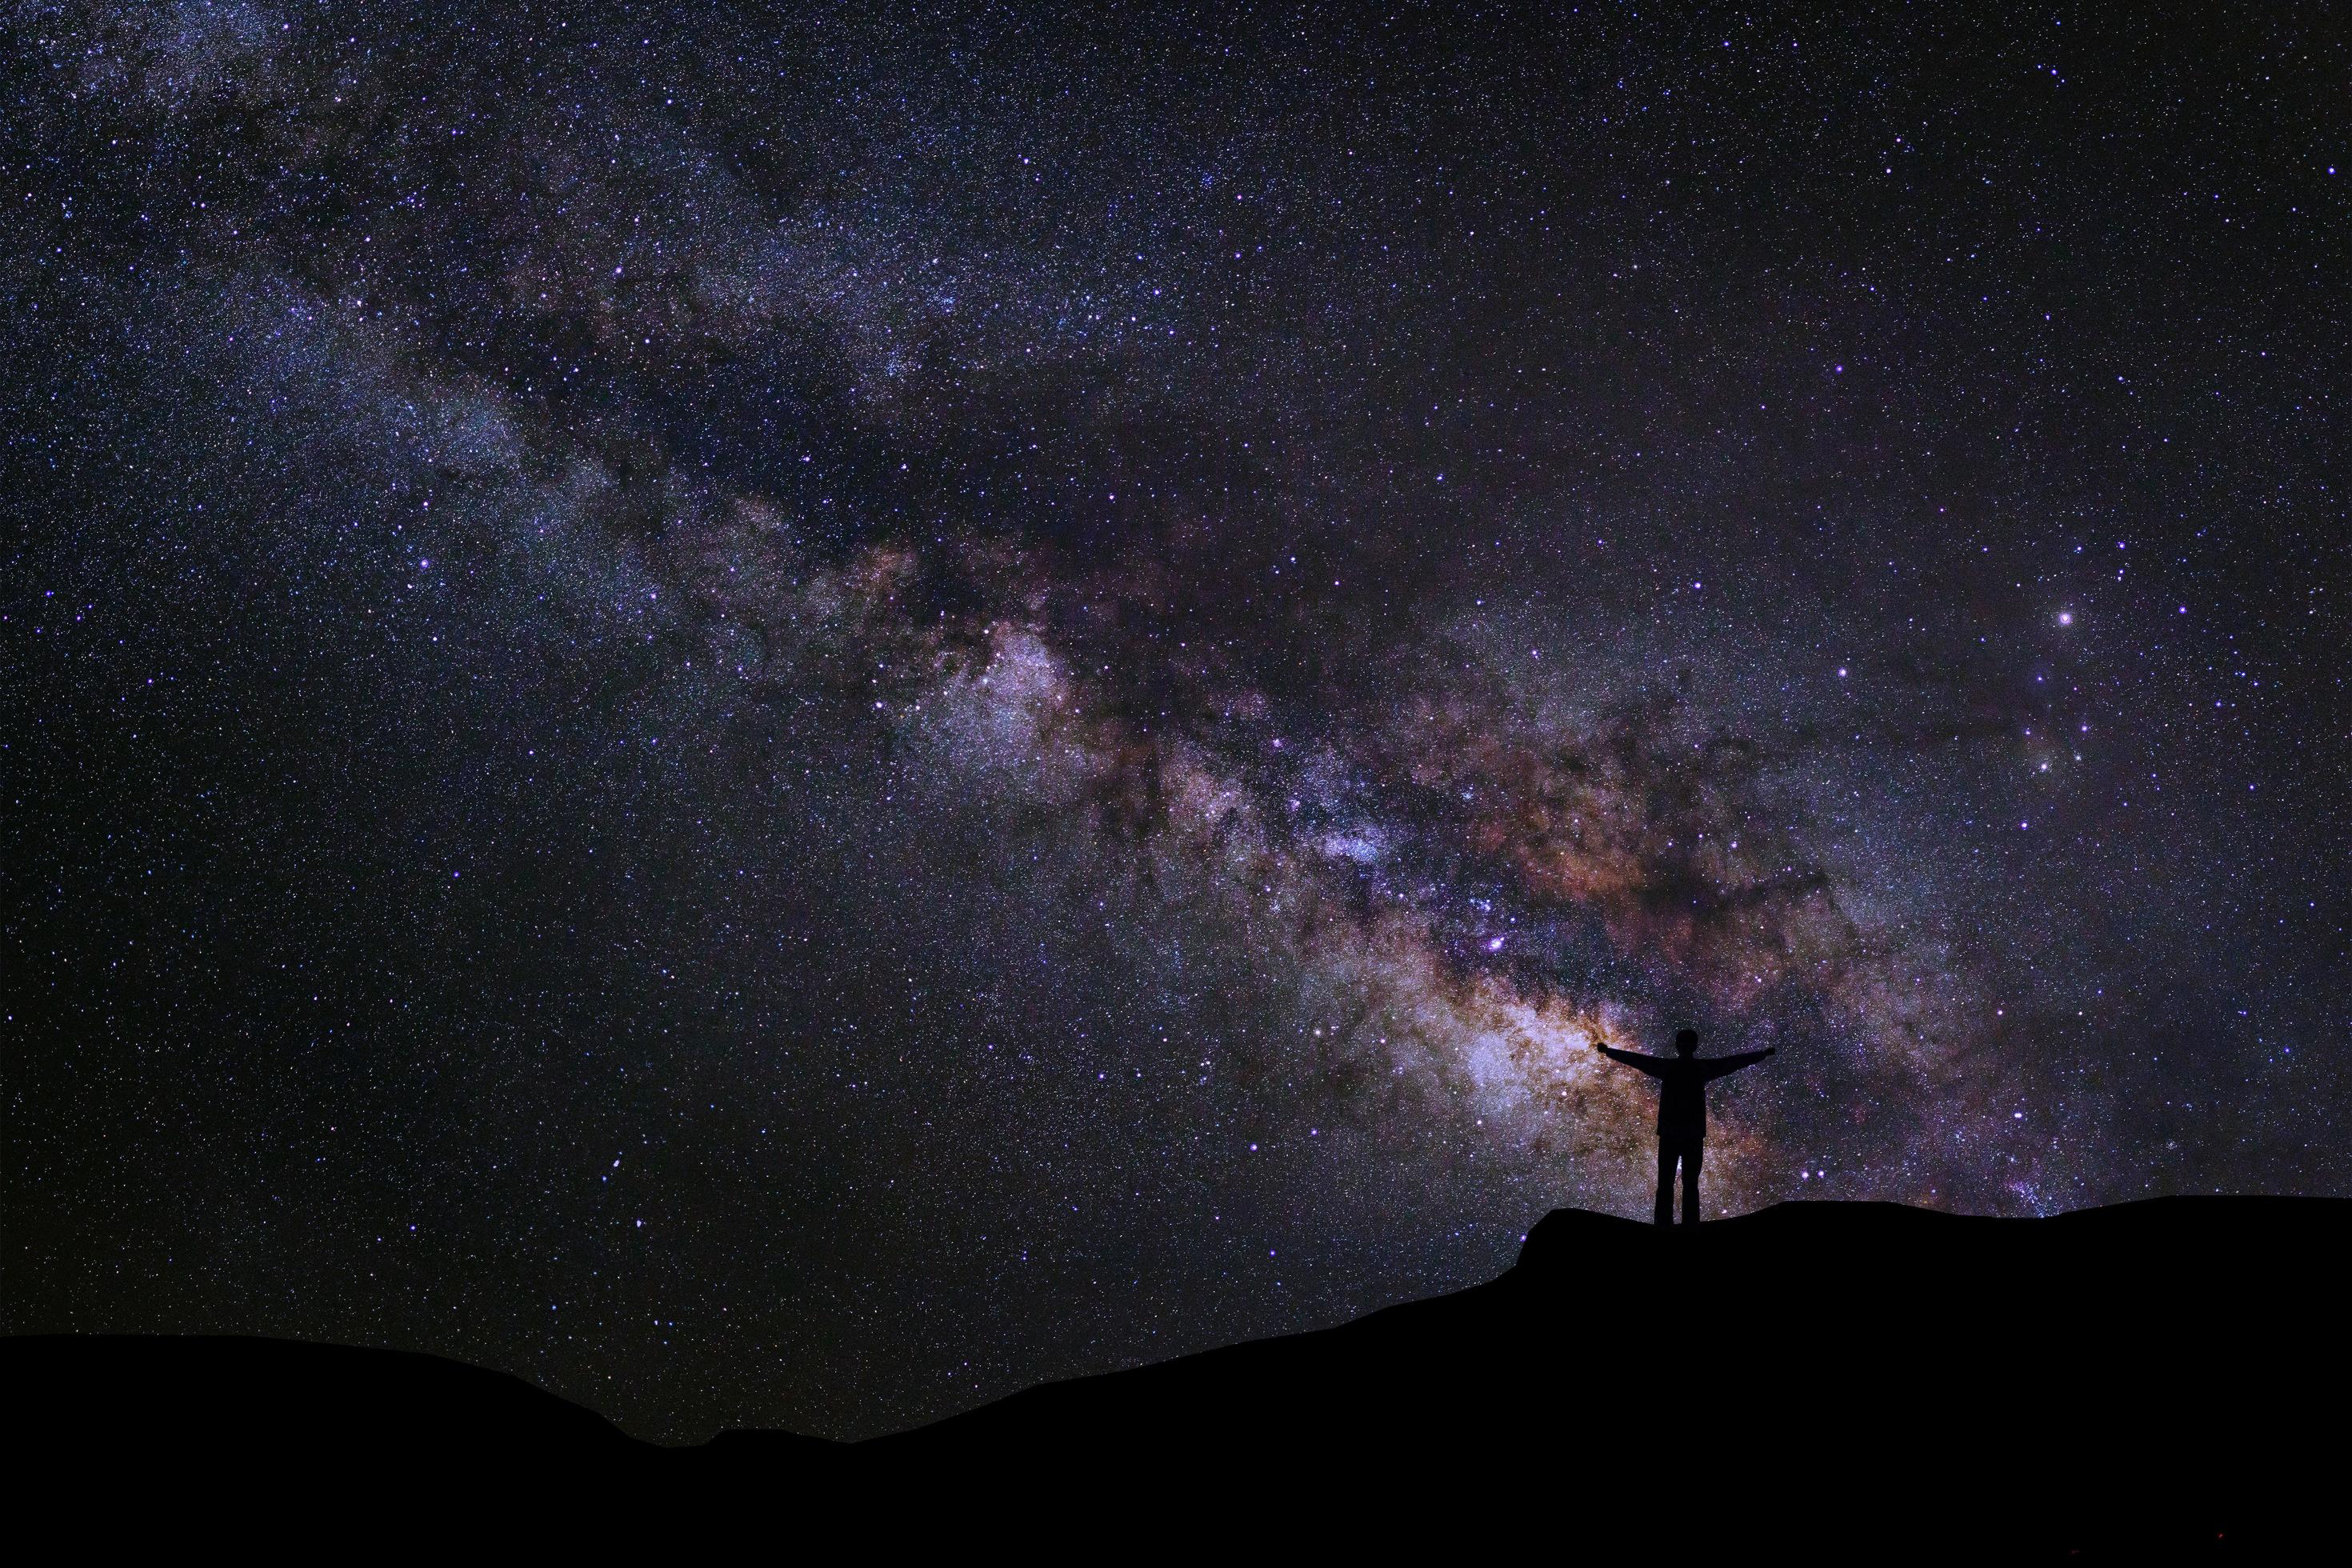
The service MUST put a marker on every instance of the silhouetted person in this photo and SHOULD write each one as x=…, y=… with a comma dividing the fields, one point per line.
x=1681, y=1079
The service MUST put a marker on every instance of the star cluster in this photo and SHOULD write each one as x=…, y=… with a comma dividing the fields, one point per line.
x=793, y=717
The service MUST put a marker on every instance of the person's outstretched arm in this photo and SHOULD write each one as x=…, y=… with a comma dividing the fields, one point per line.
x=1634, y=1059
x=1720, y=1066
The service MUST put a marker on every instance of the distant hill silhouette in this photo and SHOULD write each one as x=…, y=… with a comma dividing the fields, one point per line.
x=2161, y=1379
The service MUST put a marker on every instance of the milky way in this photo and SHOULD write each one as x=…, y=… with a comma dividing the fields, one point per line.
x=792, y=719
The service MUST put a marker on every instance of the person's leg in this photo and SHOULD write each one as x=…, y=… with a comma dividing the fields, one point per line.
x=1665, y=1214
x=1690, y=1184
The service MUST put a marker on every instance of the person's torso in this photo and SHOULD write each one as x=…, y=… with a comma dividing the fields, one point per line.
x=1682, y=1098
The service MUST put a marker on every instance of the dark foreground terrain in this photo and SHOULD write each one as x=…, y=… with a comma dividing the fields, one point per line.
x=2158, y=1380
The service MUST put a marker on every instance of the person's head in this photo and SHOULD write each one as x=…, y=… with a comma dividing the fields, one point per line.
x=1686, y=1042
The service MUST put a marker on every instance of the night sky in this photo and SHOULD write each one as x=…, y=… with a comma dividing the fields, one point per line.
x=794, y=718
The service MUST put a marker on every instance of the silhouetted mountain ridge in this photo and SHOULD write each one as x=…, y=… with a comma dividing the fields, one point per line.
x=2144, y=1378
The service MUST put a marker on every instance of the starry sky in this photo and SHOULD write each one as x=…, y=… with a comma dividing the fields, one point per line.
x=793, y=717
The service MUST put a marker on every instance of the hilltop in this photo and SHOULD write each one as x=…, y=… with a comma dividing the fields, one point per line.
x=2156, y=1377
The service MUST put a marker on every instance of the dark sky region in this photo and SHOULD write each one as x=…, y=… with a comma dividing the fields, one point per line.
x=790, y=718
